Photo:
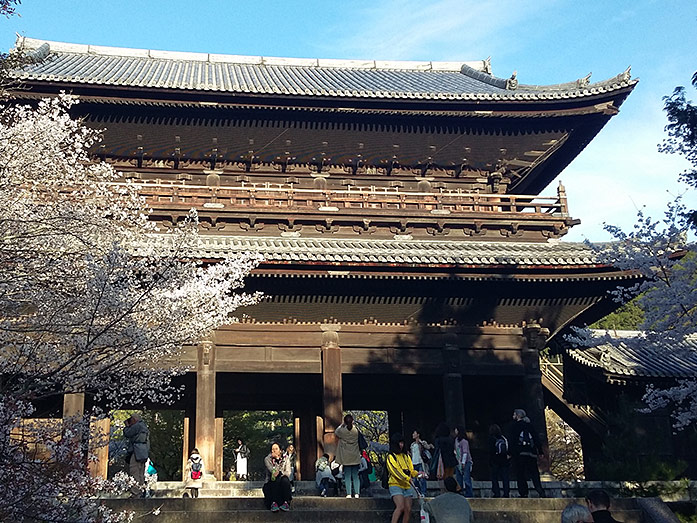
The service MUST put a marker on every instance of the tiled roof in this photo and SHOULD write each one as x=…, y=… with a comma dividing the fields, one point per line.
x=632, y=356
x=402, y=251
x=111, y=66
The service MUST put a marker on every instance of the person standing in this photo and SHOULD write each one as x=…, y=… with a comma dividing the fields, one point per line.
x=290, y=453
x=400, y=470
x=463, y=472
x=420, y=457
x=525, y=446
x=138, y=436
x=241, y=457
x=499, y=461
x=277, y=494
x=445, y=450
x=194, y=473
x=348, y=454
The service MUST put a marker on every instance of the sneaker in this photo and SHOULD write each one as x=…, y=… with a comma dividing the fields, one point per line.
x=285, y=507
x=348, y=495
x=323, y=493
x=274, y=507
x=356, y=496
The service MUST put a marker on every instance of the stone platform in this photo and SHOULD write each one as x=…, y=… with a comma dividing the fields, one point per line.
x=240, y=502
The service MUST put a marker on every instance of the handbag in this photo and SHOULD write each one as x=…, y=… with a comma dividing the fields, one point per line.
x=362, y=443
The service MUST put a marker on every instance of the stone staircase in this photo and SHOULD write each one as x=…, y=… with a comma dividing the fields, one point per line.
x=240, y=502
x=308, y=509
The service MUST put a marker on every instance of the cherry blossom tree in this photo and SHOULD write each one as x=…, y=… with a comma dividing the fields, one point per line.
x=94, y=299
x=662, y=253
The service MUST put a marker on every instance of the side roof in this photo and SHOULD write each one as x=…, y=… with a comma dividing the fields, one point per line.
x=250, y=75
x=630, y=355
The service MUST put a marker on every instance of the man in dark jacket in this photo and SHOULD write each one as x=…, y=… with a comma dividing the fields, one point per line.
x=138, y=436
x=524, y=446
x=598, y=503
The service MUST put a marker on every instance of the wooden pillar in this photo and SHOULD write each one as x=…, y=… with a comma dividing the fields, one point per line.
x=533, y=393
x=331, y=382
x=74, y=407
x=99, y=447
x=185, y=445
x=452, y=385
x=306, y=445
x=205, y=406
x=218, y=448
x=73, y=404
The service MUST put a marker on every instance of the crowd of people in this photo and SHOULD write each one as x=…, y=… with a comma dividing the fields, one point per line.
x=405, y=471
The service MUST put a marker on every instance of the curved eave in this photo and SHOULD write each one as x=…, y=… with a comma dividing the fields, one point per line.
x=480, y=103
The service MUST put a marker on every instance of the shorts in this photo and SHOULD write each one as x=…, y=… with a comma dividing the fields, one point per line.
x=399, y=491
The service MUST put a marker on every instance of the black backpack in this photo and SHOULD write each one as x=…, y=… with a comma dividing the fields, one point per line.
x=501, y=446
x=385, y=477
x=526, y=442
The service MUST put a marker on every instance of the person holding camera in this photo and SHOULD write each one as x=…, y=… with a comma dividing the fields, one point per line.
x=400, y=470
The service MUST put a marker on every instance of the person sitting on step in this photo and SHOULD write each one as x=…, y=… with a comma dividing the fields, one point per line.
x=277, y=492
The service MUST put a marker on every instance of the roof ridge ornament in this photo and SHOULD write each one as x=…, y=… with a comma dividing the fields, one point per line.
x=512, y=82
x=584, y=82
x=486, y=65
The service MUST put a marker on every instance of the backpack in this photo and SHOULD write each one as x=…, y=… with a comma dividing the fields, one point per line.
x=385, y=477
x=425, y=454
x=525, y=441
x=501, y=446
x=196, y=469
x=362, y=443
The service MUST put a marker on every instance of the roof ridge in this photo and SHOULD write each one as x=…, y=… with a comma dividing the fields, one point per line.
x=34, y=44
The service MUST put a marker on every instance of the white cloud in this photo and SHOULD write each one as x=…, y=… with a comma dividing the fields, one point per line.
x=410, y=29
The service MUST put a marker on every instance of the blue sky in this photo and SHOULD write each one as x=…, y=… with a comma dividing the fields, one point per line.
x=545, y=41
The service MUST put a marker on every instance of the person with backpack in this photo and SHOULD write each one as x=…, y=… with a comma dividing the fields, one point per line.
x=194, y=473
x=499, y=461
x=399, y=471
x=323, y=475
x=420, y=457
x=138, y=436
x=364, y=470
x=524, y=447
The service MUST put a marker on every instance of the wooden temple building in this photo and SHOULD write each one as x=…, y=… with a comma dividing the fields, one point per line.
x=410, y=263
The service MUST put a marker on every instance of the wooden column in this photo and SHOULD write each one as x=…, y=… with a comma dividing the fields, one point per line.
x=533, y=393
x=73, y=404
x=185, y=445
x=99, y=447
x=331, y=381
x=205, y=406
x=306, y=444
x=218, y=448
x=74, y=407
x=452, y=385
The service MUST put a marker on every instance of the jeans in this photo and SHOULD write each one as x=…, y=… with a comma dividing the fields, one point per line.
x=351, y=480
x=502, y=473
x=277, y=491
x=463, y=475
x=421, y=482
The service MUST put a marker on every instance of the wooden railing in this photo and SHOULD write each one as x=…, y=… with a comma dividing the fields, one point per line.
x=283, y=196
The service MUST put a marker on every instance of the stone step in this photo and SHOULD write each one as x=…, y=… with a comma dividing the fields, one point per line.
x=342, y=510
